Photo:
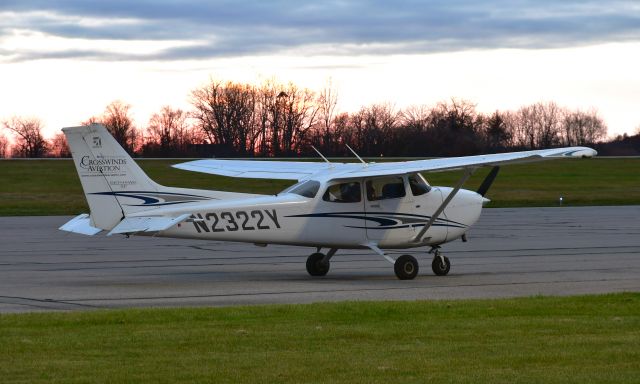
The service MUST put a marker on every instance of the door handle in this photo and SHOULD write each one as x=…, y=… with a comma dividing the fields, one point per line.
x=375, y=206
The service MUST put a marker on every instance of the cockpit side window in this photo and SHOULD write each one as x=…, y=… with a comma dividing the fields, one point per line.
x=418, y=185
x=348, y=192
x=307, y=188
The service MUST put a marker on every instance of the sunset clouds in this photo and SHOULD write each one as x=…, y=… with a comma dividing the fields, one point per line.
x=63, y=61
x=186, y=30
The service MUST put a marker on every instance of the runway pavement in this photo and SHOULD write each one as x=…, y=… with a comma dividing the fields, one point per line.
x=510, y=252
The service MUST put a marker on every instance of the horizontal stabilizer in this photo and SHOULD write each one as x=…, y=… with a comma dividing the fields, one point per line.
x=80, y=224
x=147, y=224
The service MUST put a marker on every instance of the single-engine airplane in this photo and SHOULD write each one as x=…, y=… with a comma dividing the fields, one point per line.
x=376, y=206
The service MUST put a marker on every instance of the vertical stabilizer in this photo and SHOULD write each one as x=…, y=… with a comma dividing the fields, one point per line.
x=107, y=173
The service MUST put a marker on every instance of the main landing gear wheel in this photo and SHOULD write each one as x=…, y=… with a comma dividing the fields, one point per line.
x=440, y=265
x=406, y=267
x=316, y=264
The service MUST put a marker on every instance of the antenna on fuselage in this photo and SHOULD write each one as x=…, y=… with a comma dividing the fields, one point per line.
x=359, y=158
x=323, y=158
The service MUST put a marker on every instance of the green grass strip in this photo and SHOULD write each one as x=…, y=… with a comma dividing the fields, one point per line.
x=584, y=339
x=46, y=187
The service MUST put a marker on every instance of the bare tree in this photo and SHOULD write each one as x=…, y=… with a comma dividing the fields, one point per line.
x=283, y=118
x=168, y=132
x=583, y=127
x=58, y=146
x=415, y=117
x=276, y=106
x=27, y=132
x=524, y=128
x=381, y=121
x=372, y=130
x=454, y=129
x=413, y=131
x=497, y=131
x=342, y=134
x=327, y=108
x=5, y=150
x=299, y=113
x=266, y=95
x=225, y=112
x=539, y=125
x=549, y=124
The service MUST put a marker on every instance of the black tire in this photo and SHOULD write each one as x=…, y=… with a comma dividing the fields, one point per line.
x=406, y=267
x=316, y=266
x=438, y=267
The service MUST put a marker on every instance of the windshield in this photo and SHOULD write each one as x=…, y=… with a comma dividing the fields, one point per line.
x=307, y=188
x=418, y=184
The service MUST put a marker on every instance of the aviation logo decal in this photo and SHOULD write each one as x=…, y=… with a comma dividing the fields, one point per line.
x=387, y=220
x=105, y=165
x=156, y=199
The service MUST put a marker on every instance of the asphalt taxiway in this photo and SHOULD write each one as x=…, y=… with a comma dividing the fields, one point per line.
x=510, y=252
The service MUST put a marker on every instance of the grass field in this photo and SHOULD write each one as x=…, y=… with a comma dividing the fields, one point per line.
x=45, y=187
x=586, y=339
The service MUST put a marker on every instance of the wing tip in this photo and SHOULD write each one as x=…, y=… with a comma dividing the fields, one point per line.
x=583, y=152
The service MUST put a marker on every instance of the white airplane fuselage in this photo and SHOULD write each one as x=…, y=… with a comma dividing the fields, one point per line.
x=292, y=219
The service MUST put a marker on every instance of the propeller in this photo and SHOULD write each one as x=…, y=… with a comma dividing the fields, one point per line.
x=486, y=184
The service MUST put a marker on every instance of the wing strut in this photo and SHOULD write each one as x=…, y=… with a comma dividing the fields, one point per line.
x=467, y=173
x=486, y=184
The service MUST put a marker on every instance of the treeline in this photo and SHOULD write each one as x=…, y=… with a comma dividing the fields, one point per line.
x=229, y=119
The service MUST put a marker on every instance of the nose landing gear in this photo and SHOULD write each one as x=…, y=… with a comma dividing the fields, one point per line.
x=440, y=264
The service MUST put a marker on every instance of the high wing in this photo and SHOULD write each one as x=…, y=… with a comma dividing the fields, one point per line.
x=453, y=163
x=263, y=169
x=291, y=170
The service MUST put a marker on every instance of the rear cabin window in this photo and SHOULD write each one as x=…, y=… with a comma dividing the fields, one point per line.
x=343, y=193
x=307, y=188
x=385, y=188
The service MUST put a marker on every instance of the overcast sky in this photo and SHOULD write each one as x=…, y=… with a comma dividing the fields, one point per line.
x=63, y=61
